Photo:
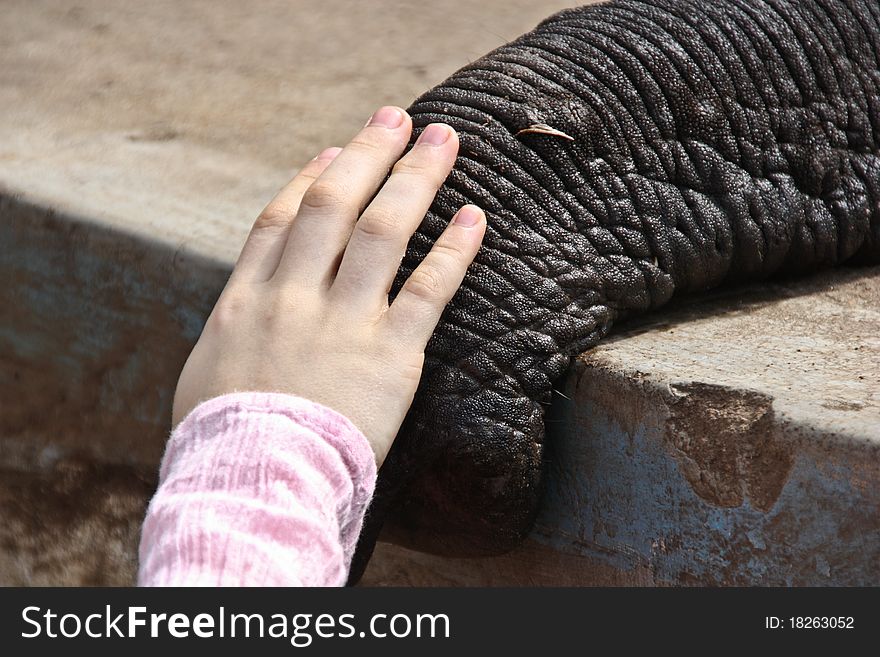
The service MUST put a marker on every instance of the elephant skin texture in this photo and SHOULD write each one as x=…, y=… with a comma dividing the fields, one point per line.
x=624, y=153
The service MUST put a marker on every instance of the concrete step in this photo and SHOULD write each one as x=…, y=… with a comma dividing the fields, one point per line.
x=732, y=439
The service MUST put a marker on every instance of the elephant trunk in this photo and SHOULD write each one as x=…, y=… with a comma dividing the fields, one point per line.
x=623, y=152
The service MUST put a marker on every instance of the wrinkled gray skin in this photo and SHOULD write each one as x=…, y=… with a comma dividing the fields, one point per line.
x=710, y=142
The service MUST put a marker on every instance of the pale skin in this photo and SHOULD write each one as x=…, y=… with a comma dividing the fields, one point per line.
x=306, y=312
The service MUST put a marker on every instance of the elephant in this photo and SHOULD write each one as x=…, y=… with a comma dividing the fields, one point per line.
x=624, y=152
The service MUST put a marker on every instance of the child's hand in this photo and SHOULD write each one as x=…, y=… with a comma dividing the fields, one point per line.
x=306, y=309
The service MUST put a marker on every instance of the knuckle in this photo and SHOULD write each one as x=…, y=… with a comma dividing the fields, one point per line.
x=322, y=195
x=309, y=173
x=276, y=310
x=378, y=225
x=409, y=166
x=426, y=283
x=448, y=252
x=365, y=143
x=229, y=310
x=273, y=217
x=426, y=173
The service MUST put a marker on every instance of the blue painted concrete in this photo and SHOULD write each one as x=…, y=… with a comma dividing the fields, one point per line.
x=617, y=494
x=94, y=328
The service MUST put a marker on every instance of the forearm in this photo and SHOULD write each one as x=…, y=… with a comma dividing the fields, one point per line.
x=258, y=489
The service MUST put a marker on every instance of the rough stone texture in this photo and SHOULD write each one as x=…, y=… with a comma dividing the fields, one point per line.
x=74, y=524
x=124, y=204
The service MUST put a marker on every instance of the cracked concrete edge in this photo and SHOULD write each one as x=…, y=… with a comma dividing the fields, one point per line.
x=697, y=485
x=706, y=484
x=810, y=345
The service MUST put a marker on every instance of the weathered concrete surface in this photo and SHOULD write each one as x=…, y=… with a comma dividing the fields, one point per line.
x=270, y=81
x=179, y=120
x=734, y=440
x=75, y=523
x=137, y=143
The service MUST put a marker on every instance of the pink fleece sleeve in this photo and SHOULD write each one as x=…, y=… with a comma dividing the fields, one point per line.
x=258, y=489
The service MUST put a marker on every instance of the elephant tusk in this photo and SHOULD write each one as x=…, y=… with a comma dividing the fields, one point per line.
x=543, y=129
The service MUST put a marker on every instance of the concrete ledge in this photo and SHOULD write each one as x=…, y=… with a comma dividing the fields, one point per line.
x=732, y=439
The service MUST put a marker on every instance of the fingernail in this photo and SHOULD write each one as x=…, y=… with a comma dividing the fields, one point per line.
x=387, y=117
x=468, y=216
x=435, y=134
x=329, y=153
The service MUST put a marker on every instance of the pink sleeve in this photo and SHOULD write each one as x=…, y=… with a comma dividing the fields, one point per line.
x=258, y=489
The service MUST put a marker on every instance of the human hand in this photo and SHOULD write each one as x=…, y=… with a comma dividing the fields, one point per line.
x=306, y=312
